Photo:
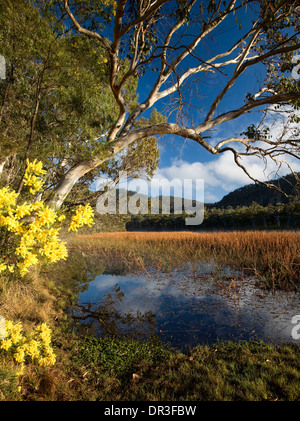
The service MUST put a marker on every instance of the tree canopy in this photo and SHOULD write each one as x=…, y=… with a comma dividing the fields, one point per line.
x=79, y=73
x=56, y=100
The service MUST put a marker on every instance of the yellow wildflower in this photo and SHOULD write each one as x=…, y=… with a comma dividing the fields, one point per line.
x=19, y=355
x=35, y=345
x=46, y=216
x=20, y=371
x=36, y=167
x=35, y=238
x=37, y=206
x=54, y=251
x=11, y=223
x=5, y=344
x=2, y=267
x=83, y=216
x=32, y=349
x=9, y=325
x=16, y=333
x=7, y=197
x=45, y=361
x=44, y=334
x=23, y=210
x=31, y=177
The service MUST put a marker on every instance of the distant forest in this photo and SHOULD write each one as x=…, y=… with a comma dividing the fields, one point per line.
x=253, y=206
x=255, y=216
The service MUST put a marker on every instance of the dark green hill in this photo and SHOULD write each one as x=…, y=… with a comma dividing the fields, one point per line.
x=254, y=206
x=261, y=194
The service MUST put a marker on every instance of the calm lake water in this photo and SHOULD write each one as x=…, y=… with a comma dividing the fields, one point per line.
x=188, y=307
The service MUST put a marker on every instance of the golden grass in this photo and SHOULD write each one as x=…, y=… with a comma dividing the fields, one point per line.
x=273, y=256
x=30, y=300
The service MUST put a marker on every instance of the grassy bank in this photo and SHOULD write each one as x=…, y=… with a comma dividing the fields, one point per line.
x=90, y=369
x=227, y=371
x=116, y=369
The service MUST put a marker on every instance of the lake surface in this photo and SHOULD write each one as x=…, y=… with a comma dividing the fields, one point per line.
x=188, y=307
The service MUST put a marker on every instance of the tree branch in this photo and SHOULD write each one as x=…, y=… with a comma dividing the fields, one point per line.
x=84, y=30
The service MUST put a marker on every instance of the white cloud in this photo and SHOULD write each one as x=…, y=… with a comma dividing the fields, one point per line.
x=279, y=122
x=222, y=175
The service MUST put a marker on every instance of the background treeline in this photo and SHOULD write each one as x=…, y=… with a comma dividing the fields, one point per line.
x=253, y=206
x=255, y=216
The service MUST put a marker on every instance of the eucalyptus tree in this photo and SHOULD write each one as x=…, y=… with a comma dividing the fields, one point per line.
x=73, y=68
x=55, y=102
x=169, y=38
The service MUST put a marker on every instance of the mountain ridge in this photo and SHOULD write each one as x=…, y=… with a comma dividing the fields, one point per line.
x=261, y=194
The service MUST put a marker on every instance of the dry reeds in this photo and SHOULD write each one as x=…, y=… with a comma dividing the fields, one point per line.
x=274, y=257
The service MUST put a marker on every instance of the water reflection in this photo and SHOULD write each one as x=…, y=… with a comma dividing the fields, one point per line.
x=105, y=316
x=187, y=309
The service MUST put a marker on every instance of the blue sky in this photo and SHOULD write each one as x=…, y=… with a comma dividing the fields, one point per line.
x=184, y=158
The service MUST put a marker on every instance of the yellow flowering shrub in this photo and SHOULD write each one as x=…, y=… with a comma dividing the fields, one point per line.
x=32, y=176
x=34, y=227
x=83, y=216
x=34, y=346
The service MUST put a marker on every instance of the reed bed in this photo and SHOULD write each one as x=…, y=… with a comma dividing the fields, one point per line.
x=274, y=257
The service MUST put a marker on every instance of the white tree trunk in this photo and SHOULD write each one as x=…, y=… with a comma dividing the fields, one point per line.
x=72, y=176
x=69, y=180
x=2, y=163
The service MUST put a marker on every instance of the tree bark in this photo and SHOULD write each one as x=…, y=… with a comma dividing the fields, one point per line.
x=2, y=163
x=65, y=185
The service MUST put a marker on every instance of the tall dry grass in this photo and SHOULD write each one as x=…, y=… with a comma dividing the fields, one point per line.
x=274, y=257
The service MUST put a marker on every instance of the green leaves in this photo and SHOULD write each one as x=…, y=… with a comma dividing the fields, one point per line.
x=253, y=132
x=57, y=102
x=119, y=356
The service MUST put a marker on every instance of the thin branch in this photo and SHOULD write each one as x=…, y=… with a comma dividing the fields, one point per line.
x=273, y=99
x=84, y=30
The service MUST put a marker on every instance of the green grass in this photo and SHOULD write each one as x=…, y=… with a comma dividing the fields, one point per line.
x=250, y=371
x=114, y=369
x=9, y=383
